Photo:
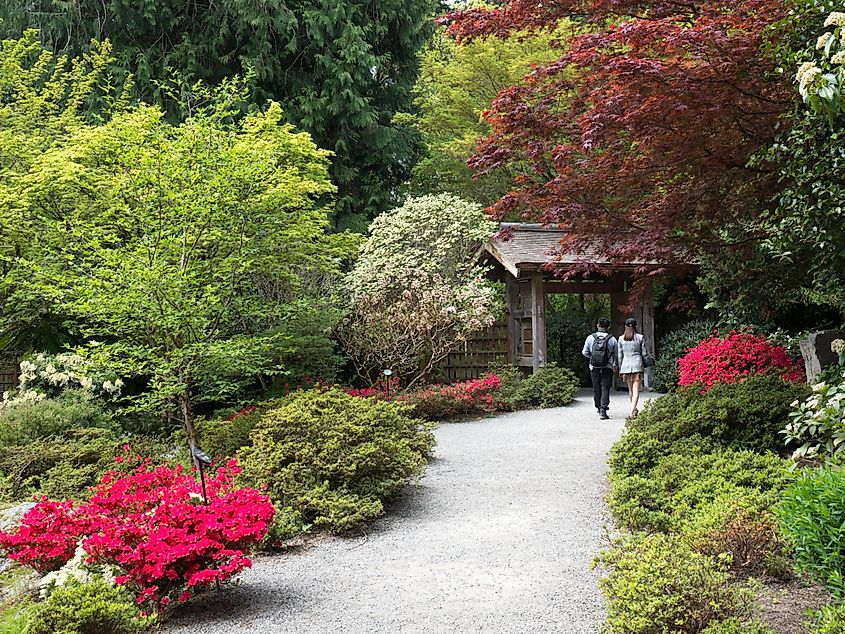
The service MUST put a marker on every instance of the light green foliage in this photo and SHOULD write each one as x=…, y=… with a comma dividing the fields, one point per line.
x=334, y=458
x=818, y=422
x=457, y=83
x=680, y=484
x=416, y=291
x=548, y=387
x=673, y=346
x=657, y=585
x=96, y=607
x=736, y=626
x=747, y=414
x=45, y=98
x=829, y=620
x=14, y=619
x=812, y=515
x=184, y=248
x=341, y=69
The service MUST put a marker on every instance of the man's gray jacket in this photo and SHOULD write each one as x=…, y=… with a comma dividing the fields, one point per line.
x=611, y=347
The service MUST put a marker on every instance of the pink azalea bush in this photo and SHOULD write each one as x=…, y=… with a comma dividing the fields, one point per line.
x=154, y=526
x=476, y=396
x=730, y=358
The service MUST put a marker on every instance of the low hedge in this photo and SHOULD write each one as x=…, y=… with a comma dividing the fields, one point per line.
x=681, y=484
x=657, y=584
x=333, y=459
x=749, y=414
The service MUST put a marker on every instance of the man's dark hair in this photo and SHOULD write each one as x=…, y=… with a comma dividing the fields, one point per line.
x=604, y=322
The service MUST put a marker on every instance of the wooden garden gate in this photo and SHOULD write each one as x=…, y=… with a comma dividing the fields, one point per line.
x=9, y=370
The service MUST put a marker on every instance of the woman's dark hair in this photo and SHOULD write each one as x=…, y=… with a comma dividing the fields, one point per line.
x=632, y=324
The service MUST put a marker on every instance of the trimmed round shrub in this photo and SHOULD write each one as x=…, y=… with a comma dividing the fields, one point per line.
x=336, y=458
x=549, y=387
x=657, y=584
x=95, y=607
x=733, y=357
x=223, y=437
x=749, y=414
x=675, y=345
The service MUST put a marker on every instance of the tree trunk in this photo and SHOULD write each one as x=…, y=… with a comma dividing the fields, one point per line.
x=187, y=411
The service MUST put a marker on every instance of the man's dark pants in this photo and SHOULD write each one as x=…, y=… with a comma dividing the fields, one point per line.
x=602, y=380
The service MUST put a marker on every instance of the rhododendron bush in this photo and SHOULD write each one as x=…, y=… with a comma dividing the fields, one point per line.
x=476, y=396
x=153, y=525
x=730, y=358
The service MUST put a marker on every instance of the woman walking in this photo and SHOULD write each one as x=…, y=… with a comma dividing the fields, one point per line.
x=631, y=362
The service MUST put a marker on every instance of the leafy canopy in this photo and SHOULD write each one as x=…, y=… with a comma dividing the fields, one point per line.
x=340, y=68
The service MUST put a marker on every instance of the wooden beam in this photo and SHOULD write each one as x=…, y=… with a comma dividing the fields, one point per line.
x=577, y=288
x=511, y=293
x=538, y=320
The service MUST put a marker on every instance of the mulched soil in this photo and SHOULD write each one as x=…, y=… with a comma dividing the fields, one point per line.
x=783, y=606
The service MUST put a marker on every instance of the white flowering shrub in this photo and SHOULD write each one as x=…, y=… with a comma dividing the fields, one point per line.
x=821, y=80
x=48, y=376
x=818, y=423
x=417, y=291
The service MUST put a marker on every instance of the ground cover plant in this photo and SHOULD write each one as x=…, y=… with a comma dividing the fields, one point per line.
x=812, y=515
x=334, y=459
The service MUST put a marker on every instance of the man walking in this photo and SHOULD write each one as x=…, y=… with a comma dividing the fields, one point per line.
x=600, y=349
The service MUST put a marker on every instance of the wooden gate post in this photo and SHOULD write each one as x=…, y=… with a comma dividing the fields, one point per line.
x=538, y=320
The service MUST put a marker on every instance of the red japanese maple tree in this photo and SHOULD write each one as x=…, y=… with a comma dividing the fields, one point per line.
x=637, y=139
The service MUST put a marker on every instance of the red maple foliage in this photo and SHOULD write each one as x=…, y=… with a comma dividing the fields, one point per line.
x=638, y=137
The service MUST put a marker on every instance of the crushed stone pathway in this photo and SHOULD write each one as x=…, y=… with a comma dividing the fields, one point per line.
x=498, y=537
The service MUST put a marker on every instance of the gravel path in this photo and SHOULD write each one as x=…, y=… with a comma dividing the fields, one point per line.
x=497, y=538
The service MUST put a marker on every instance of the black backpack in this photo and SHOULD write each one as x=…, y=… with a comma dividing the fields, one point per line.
x=600, y=354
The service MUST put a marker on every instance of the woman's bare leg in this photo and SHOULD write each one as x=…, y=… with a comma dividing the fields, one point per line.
x=634, y=393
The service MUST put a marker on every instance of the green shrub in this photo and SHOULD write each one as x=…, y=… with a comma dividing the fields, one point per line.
x=335, y=458
x=657, y=584
x=74, y=409
x=508, y=394
x=736, y=626
x=15, y=618
x=549, y=387
x=222, y=437
x=818, y=423
x=812, y=516
x=829, y=620
x=742, y=528
x=672, y=347
x=680, y=484
x=66, y=465
x=745, y=415
x=95, y=607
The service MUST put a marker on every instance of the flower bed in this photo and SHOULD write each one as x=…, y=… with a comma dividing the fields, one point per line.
x=153, y=525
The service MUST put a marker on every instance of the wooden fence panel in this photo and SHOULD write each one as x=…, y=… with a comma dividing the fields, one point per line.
x=474, y=357
x=9, y=370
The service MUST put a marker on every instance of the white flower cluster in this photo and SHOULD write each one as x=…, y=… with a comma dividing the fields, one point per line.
x=824, y=38
x=807, y=75
x=838, y=58
x=75, y=569
x=44, y=375
x=837, y=18
x=837, y=346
